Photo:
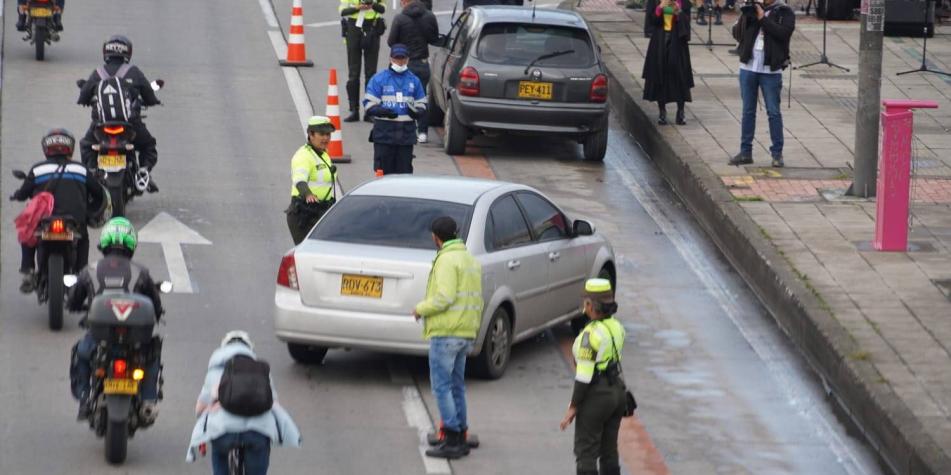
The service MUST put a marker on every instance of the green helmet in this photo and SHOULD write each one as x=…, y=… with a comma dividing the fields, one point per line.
x=118, y=232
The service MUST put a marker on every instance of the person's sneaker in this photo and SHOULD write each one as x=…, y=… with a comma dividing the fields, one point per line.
x=422, y=138
x=778, y=161
x=26, y=283
x=741, y=159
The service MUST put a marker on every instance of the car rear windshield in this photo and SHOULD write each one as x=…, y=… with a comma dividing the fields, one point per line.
x=519, y=44
x=388, y=221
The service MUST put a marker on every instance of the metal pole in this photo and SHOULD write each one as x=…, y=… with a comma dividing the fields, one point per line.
x=869, y=99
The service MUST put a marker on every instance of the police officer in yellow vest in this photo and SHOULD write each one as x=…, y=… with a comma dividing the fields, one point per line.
x=363, y=24
x=313, y=177
x=598, y=399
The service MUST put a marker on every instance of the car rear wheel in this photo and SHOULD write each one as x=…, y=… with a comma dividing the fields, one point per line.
x=307, y=354
x=491, y=363
x=454, y=141
x=596, y=145
x=578, y=323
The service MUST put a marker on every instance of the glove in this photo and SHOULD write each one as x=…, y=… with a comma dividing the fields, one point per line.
x=380, y=111
x=412, y=111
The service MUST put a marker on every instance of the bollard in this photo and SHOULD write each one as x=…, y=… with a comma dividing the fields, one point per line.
x=894, y=174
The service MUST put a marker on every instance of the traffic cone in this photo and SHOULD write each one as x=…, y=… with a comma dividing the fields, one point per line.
x=335, y=149
x=296, y=54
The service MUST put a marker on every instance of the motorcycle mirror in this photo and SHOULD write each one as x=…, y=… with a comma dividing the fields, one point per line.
x=165, y=287
x=70, y=280
x=19, y=174
x=80, y=83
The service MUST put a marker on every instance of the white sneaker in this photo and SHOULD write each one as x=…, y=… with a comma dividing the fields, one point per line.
x=422, y=138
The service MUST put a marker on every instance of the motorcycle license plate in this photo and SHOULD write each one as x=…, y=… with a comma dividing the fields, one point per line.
x=63, y=236
x=361, y=286
x=112, y=162
x=120, y=386
x=534, y=90
x=40, y=12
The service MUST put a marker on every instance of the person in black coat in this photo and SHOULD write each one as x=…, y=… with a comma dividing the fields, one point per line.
x=416, y=27
x=667, y=74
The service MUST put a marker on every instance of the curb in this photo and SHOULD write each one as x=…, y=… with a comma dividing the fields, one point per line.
x=887, y=423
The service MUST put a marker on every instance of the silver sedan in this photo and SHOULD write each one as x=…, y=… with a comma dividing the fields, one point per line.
x=354, y=281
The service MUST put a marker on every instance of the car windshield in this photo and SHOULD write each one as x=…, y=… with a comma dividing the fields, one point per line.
x=388, y=221
x=519, y=44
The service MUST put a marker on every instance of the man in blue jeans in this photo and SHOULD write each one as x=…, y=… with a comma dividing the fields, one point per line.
x=451, y=313
x=763, y=31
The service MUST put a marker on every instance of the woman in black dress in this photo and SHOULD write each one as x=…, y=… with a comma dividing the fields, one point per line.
x=667, y=75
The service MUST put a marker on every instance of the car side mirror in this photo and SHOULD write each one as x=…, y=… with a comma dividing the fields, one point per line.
x=165, y=287
x=582, y=228
x=19, y=174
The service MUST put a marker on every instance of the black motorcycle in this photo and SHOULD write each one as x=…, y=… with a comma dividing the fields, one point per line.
x=116, y=162
x=123, y=326
x=40, y=30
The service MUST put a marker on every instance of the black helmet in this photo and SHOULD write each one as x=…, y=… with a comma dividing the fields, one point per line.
x=117, y=46
x=58, y=142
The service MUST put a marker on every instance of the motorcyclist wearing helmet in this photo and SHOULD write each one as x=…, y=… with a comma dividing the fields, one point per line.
x=73, y=194
x=57, y=14
x=117, y=52
x=224, y=430
x=114, y=271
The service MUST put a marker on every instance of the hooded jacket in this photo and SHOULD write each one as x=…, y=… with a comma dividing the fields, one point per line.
x=214, y=421
x=416, y=28
x=67, y=181
x=778, y=26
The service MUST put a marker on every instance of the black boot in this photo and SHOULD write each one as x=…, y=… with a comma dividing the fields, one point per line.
x=680, y=115
x=58, y=21
x=717, y=14
x=451, y=448
x=662, y=116
x=702, y=16
x=84, y=410
x=354, y=115
x=21, y=22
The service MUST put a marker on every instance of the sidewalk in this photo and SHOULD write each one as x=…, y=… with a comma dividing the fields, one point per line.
x=876, y=326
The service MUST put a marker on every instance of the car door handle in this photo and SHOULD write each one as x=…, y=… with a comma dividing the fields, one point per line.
x=513, y=264
x=553, y=256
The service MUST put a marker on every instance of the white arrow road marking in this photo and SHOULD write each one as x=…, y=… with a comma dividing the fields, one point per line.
x=172, y=234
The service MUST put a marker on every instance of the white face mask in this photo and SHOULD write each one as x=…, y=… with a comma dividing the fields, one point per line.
x=399, y=68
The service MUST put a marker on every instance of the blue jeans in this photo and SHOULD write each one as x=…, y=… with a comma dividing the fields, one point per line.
x=447, y=374
x=771, y=85
x=257, y=452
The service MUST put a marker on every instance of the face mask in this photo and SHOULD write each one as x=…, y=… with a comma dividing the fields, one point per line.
x=399, y=69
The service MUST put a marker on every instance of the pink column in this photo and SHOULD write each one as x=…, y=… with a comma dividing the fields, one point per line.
x=894, y=174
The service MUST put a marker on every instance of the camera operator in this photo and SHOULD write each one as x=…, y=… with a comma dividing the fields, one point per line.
x=763, y=30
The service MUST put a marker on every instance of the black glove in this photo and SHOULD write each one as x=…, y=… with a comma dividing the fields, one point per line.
x=380, y=111
x=412, y=113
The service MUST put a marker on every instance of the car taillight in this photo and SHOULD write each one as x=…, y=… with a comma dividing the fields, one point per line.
x=287, y=274
x=57, y=226
x=118, y=368
x=599, y=89
x=114, y=130
x=469, y=82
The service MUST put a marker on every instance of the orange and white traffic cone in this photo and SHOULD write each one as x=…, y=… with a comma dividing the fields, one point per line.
x=296, y=53
x=335, y=149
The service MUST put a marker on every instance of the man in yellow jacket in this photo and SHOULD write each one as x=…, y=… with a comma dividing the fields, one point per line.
x=451, y=313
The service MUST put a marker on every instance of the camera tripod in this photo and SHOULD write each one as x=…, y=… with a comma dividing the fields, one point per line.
x=823, y=58
x=709, y=13
x=929, y=5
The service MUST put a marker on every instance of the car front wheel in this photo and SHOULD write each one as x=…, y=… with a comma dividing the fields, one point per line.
x=492, y=361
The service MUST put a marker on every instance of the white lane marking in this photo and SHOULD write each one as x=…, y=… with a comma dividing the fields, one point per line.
x=768, y=354
x=294, y=82
x=172, y=234
x=418, y=417
x=268, y=11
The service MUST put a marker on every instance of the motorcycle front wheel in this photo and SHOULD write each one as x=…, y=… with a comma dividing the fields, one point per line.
x=39, y=39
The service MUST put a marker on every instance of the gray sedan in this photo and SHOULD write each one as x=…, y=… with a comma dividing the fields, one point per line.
x=353, y=283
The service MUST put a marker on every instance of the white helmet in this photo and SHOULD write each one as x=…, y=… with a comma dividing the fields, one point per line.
x=239, y=335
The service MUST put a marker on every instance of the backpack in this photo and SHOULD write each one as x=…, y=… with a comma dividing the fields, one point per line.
x=113, y=97
x=245, y=386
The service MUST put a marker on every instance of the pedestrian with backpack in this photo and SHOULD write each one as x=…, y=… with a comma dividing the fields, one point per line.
x=238, y=408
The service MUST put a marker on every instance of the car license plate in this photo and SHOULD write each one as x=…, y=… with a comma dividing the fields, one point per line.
x=112, y=162
x=41, y=12
x=534, y=90
x=63, y=236
x=361, y=286
x=120, y=386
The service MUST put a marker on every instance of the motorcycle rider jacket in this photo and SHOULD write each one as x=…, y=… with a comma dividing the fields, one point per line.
x=114, y=271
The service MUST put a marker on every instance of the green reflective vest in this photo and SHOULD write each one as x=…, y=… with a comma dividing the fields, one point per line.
x=453, y=303
x=313, y=169
x=593, y=349
x=368, y=14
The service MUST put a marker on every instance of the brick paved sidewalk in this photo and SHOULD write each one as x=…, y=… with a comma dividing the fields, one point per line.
x=895, y=306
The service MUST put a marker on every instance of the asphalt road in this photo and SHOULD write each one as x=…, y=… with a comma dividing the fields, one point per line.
x=720, y=390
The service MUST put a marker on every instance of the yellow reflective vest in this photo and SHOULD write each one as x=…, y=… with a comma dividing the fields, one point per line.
x=593, y=349
x=313, y=169
x=368, y=14
x=453, y=303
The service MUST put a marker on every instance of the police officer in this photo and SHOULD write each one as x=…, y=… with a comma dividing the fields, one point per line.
x=362, y=27
x=313, y=177
x=395, y=98
x=598, y=399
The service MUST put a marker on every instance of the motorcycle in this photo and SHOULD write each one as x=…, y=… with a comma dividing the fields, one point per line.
x=122, y=325
x=40, y=30
x=117, y=163
x=57, y=238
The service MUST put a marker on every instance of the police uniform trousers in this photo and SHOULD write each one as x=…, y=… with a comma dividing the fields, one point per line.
x=301, y=217
x=363, y=44
x=392, y=158
x=596, y=428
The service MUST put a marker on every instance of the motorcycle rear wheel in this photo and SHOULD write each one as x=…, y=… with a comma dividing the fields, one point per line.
x=117, y=440
x=117, y=195
x=39, y=39
x=55, y=290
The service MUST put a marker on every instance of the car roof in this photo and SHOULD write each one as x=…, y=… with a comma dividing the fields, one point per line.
x=442, y=188
x=516, y=14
